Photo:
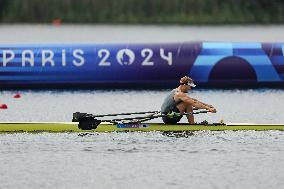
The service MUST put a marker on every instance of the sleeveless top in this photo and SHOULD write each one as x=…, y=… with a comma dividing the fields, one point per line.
x=169, y=103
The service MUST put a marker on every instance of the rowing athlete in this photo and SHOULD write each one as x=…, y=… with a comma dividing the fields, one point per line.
x=180, y=102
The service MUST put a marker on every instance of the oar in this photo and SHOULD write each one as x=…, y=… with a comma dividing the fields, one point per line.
x=130, y=113
x=171, y=115
x=105, y=115
x=88, y=122
x=79, y=114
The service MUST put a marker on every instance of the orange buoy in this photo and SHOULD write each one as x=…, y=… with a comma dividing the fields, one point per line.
x=3, y=106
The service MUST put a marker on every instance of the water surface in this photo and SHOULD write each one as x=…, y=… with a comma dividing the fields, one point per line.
x=247, y=105
x=242, y=159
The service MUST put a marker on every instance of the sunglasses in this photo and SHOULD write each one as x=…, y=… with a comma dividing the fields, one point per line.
x=189, y=84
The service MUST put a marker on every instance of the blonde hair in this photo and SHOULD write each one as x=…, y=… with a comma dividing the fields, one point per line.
x=185, y=79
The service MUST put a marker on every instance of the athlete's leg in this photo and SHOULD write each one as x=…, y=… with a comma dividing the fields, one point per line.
x=185, y=108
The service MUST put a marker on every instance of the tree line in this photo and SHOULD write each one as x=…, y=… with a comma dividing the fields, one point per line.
x=143, y=11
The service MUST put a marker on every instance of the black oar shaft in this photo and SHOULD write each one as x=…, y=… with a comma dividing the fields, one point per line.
x=118, y=114
x=130, y=113
x=154, y=116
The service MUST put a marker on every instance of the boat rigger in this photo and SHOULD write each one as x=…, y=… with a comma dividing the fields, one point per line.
x=116, y=127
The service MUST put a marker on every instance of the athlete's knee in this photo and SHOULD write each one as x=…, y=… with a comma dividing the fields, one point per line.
x=189, y=108
x=181, y=107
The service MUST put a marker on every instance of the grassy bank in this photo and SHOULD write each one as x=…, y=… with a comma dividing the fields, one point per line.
x=144, y=11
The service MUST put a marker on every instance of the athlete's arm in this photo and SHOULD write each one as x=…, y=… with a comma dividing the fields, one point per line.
x=195, y=103
x=204, y=103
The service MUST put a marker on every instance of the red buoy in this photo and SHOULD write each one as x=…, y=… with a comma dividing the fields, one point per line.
x=17, y=95
x=57, y=22
x=3, y=106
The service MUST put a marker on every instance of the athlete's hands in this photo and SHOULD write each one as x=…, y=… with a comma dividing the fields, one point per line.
x=212, y=109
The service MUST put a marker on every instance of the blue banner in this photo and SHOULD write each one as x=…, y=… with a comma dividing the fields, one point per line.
x=112, y=65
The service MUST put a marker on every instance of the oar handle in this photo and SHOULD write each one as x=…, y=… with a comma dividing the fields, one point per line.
x=177, y=114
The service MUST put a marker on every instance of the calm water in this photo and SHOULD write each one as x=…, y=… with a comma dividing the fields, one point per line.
x=243, y=159
x=256, y=106
x=143, y=160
